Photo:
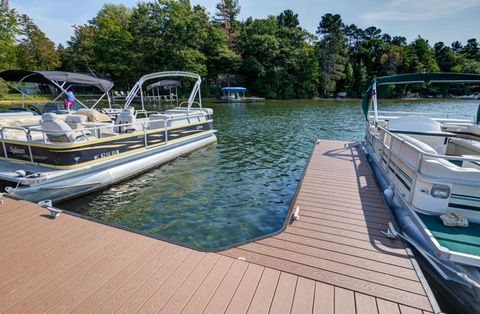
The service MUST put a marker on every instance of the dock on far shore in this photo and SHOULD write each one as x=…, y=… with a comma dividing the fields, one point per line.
x=333, y=259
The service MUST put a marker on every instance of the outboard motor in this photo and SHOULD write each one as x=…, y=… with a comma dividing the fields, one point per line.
x=127, y=116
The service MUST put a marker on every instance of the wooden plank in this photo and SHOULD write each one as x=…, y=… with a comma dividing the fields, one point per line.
x=26, y=269
x=171, y=254
x=324, y=301
x=139, y=247
x=194, y=269
x=344, y=301
x=383, y=257
x=207, y=287
x=99, y=295
x=225, y=291
x=283, y=298
x=246, y=289
x=304, y=296
x=337, y=279
x=409, y=310
x=58, y=293
x=38, y=287
x=365, y=304
x=145, y=291
x=266, y=289
x=10, y=204
x=333, y=267
x=387, y=307
x=336, y=257
x=372, y=245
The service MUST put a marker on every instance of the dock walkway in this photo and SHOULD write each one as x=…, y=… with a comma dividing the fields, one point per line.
x=334, y=259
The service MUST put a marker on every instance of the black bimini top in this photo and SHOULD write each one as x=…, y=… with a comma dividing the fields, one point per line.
x=436, y=77
x=60, y=77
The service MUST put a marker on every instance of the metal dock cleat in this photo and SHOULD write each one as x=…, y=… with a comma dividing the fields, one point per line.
x=54, y=212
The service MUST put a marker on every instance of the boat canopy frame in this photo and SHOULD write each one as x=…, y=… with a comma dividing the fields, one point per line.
x=60, y=79
x=138, y=87
x=370, y=96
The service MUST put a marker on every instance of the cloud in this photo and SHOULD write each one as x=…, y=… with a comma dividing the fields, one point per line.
x=415, y=10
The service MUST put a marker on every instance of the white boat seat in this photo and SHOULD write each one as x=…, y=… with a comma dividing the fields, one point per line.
x=461, y=146
x=157, y=121
x=76, y=121
x=126, y=116
x=414, y=124
x=58, y=131
x=93, y=115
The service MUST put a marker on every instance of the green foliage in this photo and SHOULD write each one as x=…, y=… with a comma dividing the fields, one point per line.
x=35, y=51
x=332, y=53
x=9, y=29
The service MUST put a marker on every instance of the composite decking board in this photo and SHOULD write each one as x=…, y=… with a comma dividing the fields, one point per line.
x=122, y=292
x=41, y=285
x=336, y=210
x=344, y=301
x=304, y=296
x=324, y=299
x=9, y=205
x=246, y=289
x=263, y=297
x=383, y=257
x=32, y=268
x=333, y=259
x=387, y=307
x=225, y=291
x=339, y=274
x=283, y=299
x=341, y=258
x=373, y=245
x=195, y=280
x=106, y=289
x=365, y=304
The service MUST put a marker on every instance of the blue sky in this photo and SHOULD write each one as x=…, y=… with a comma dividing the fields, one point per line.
x=435, y=20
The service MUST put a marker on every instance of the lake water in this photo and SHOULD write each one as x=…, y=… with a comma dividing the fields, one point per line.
x=242, y=187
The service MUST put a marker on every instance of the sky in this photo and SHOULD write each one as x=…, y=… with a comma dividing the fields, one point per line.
x=435, y=20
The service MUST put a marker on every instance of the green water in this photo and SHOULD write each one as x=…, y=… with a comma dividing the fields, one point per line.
x=242, y=187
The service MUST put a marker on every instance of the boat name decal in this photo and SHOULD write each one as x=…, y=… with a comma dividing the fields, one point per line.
x=16, y=151
x=107, y=154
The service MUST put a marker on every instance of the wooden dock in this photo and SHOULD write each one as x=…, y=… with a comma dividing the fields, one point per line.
x=334, y=259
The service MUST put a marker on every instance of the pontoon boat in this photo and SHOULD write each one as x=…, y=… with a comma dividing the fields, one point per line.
x=64, y=157
x=429, y=169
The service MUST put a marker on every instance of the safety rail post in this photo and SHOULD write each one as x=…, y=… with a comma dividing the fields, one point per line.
x=3, y=144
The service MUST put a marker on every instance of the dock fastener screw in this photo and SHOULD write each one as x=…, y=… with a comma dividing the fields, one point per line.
x=54, y=212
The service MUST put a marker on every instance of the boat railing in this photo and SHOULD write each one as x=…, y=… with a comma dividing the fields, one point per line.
x=105, y=130
x=394, y=144
x=409, y=113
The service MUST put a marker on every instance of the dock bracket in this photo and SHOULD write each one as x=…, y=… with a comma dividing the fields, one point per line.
x=54, y=212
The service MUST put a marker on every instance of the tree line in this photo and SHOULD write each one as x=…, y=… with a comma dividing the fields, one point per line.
x=274, y=56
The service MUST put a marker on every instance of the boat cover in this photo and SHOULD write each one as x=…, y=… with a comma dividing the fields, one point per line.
x=46, y=77
x=440, y=77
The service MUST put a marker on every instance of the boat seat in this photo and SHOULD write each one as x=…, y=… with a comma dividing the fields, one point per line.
x=93, y=115
x=415, y=125
x=57, y=131
x=76, y=121
x=157, y=121
x=126, y=116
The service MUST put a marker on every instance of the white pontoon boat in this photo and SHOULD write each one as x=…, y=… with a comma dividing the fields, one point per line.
x=64, y=157
x=429, y=169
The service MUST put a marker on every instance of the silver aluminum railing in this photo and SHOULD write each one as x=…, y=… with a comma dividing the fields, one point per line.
x=373, y=130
